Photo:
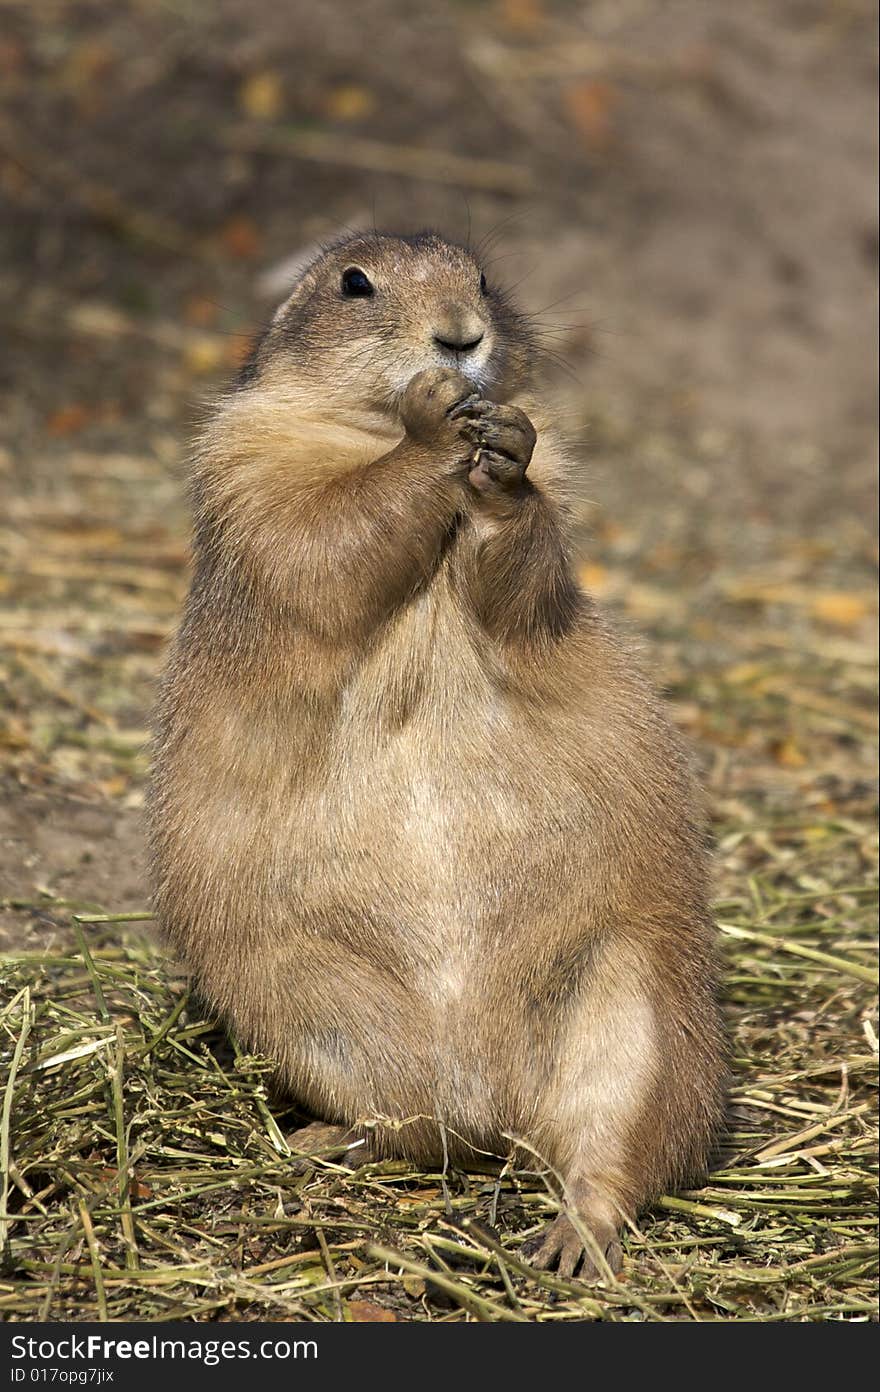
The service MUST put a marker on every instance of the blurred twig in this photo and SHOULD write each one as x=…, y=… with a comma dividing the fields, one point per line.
x=380, y=157
x=103, y=204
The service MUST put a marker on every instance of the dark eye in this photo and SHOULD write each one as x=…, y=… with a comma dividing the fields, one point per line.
x=483, y=286
x=355, y=284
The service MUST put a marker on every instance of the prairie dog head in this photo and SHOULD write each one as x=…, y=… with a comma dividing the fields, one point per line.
x=373, y=310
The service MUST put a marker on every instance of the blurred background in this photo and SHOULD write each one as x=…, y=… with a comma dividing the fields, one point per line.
x=685, y=195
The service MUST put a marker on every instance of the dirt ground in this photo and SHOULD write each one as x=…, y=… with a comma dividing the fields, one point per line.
x=683, y=193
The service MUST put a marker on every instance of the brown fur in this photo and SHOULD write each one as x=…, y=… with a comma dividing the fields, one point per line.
x=419, y=829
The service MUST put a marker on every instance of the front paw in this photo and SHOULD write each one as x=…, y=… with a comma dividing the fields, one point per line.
x=492, y=473
x=428, y=405
x=504, y=440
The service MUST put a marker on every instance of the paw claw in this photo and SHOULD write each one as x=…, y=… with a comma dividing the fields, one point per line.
x=469, y=406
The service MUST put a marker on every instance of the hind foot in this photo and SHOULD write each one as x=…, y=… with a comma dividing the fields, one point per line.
x=562, y=1245
x=324, y=1141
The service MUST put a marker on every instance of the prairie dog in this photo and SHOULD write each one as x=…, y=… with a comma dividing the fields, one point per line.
x=419, y=829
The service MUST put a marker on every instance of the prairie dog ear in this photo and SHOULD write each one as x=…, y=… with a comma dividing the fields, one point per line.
x=289, y=278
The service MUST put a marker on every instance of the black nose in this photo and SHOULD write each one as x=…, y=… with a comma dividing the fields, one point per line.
x=458, y=345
